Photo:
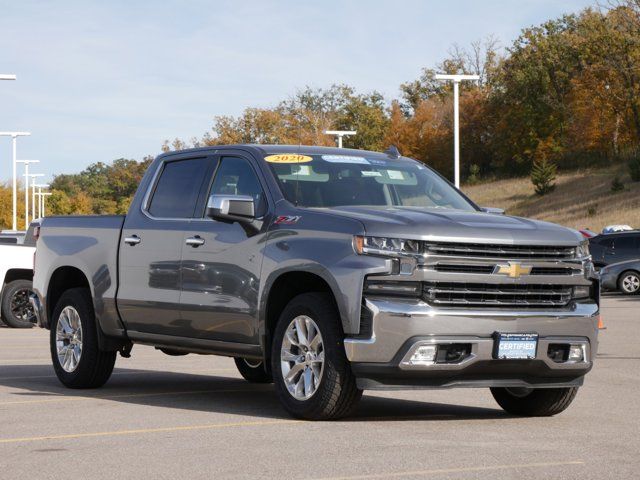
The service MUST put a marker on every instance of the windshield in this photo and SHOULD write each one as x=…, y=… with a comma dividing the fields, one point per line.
x=345, y=180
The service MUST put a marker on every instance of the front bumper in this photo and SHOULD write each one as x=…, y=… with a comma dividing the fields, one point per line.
x=399, y=325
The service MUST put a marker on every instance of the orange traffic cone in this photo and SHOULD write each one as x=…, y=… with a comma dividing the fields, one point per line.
x=601, y=323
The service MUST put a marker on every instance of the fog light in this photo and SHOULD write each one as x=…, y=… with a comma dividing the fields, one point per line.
x=424, y=355
x=576, y=354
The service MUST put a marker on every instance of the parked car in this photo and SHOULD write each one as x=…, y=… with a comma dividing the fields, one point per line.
x=615, y=247
x=327, y=271
x=616, y=228
x=587, y=233
x=16, y=273
x=623, y=277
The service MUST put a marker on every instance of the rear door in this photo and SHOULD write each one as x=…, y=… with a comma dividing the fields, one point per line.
x=221, y=275
x=151, y=247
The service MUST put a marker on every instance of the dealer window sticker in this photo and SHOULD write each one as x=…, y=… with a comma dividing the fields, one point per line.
x=345, y=159
x=395, y=174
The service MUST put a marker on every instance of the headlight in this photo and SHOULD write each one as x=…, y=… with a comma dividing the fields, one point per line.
x=394, y=247
x=582, y=250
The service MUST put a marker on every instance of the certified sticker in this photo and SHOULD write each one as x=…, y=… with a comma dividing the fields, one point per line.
x=288, y=158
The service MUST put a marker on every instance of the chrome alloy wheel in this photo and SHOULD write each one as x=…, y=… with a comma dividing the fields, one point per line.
x=21, y=307
x=69, y=339
x=302, y=358
x=631, y=283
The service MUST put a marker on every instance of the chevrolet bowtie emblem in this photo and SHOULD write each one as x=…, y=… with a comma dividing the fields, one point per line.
x=513, y=270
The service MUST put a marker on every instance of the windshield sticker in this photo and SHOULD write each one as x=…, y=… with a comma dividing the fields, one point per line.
x=371, y=174
x=374, y=161
x=302, y=170
x=345, y=159
x=395, y=174
x=288, y=158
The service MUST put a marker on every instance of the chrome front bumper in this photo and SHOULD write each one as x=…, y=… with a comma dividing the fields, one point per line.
x=399, y=325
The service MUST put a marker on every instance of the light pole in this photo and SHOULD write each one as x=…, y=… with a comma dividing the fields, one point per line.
x=33, y=192
x=339, y=134
x=43, y=197
x=26, y=190
x=14, y=137
x=456, y=79
x=40, y=186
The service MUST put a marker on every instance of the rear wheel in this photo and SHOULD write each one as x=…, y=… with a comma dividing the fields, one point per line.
x=534, y=402
x=629, y=283
x=75, y=352
x=253, y=370
x=17, y=311
x=311, y=373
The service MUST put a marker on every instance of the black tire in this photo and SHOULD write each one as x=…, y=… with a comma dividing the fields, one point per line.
x=95, y=366
x=337, y=394
x=535, y=402
x=253, y=371
x=17, y=312
x=625, y=275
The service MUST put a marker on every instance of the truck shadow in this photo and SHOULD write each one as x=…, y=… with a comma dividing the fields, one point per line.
x=37, y=384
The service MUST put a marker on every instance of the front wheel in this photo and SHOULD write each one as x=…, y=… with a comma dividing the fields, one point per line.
x=629, y=283
x=75, y=352
x=534, y=402
x=312, y=375
x=252, y=371
x=17, y=312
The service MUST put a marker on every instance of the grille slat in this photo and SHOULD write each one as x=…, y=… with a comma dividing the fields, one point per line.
x=485, y=295
x=489, y=269
x=499, y=251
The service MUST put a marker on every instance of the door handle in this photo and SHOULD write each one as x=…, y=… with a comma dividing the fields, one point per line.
x=194, y=241
x=132, y=240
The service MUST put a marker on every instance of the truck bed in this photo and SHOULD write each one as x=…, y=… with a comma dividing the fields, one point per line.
x=88, y=244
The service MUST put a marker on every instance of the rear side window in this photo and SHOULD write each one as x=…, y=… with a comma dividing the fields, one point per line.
x=177, y=189
x=626, y=243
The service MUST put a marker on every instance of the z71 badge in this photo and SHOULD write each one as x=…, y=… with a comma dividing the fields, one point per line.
x=287, y=219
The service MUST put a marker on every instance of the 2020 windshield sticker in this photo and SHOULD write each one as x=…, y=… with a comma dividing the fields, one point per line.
x=345, y=159
x=288, y=158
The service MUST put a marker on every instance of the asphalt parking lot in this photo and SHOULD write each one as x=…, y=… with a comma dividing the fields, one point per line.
x=194, y=417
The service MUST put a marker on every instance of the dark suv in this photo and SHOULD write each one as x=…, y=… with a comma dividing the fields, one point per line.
x=615, y=247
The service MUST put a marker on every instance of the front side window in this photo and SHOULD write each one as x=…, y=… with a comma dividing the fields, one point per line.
x=177, y=189
x=235, y=176
x=326, y=181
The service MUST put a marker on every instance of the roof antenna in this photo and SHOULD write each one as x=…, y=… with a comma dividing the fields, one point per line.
x=393, y=152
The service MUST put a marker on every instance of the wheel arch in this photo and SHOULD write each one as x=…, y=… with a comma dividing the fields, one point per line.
x=282, y=289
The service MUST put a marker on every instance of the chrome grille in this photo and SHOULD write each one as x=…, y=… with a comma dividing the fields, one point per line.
x=500, y=295
x=512, y=252
x=489, y=269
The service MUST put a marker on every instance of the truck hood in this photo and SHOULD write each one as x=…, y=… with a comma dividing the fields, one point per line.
x=457, y=226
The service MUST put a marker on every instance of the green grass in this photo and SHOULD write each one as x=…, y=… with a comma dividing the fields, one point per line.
x=581, y=199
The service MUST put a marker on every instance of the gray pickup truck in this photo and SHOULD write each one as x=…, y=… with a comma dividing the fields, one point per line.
x=327, y=272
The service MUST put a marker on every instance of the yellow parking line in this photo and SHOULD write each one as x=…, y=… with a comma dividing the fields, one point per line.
x=64, y=398
x=152, y=372
x=149, y=430
x=415, y=473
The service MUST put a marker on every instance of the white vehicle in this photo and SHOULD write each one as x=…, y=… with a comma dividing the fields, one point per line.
x=16, y=275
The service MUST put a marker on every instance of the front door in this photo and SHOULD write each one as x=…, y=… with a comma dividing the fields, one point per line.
x=151, y=248
x=221, y=261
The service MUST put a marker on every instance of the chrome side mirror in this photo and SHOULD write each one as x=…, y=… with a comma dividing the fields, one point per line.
x=234, y=208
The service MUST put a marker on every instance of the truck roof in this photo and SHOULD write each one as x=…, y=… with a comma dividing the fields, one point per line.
x=298, y=149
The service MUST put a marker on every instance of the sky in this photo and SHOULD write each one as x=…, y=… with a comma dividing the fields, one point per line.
x=101, y=80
